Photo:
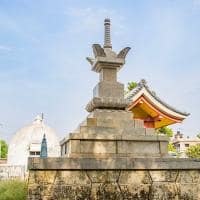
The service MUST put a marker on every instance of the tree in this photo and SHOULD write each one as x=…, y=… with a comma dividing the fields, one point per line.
x=198, y=135
x=131, y=86
x=165, y=130
x=4, y=149
x=193, y=151
x=171, y=147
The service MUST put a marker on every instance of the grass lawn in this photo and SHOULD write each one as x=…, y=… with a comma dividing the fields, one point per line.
x=13, y=190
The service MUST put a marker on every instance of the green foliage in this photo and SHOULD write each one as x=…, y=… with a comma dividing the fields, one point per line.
x=131, y=85
x=13, y=190
x=193, y=151
x=165, y=130
x=4, y=149
x=198, y=135
x=171, y=147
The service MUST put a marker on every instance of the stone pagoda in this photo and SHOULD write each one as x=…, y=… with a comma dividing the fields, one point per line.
x=110, y=130
x=112, y=155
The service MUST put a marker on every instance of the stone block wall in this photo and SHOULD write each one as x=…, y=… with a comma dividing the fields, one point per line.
x=114, y=185
x=114, y=179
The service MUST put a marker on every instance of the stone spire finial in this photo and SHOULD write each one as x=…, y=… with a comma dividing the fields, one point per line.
x=107, y=38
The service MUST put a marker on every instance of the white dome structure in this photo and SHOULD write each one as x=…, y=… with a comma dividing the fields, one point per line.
x=27, y=143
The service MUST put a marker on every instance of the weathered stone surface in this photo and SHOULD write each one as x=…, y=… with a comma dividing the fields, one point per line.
x=98, y=147
x=107, y=102
x=138, y=147
x=164, y=175
x=74, y=146
x=150, y=131
x=112, y=114
x=113, y=185
x=116, y=164
x=189, y=191
x=163, y=190
x=133, y=131
x=105, y=191
x=134, y=177
x=104, y=176
x=109, y=89
x=52, y=185
x=108, y=75
x=139, y=123
x=99, y=130
x=190, y=177
x=91, y=121
x=163, y=147
x=114, y=133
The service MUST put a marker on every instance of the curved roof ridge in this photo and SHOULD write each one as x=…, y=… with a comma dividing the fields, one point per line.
x=134, y=91
x=143, y=84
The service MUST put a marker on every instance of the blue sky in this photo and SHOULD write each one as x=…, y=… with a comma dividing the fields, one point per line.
x=43, y=45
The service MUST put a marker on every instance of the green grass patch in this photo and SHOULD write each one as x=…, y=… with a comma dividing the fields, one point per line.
x=13, y=190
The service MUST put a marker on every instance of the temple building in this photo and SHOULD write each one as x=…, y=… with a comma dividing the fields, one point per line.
x=155, y=113
x=27, y=142
x=182, y=143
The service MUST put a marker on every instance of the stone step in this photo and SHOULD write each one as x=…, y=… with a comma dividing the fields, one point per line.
x=110, y=123
x=99, y=130
x=105, y=136
x=111, y=130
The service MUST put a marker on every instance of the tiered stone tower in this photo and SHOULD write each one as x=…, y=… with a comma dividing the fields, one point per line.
x=111, y=156
x=110, y=130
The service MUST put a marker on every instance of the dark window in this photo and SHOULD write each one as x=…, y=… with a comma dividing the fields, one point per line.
x=65, y=148
x=34, y=153
x=187, y=145
x=61, y=150
x=177, y=146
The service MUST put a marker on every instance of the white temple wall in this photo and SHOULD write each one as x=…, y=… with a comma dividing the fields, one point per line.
x=12, y=172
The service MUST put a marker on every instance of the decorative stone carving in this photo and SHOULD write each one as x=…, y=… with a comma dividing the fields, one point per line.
x=98, y=50
x=123, y=53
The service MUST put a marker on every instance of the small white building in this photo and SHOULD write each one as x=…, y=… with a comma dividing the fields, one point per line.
x=181, y=143
x=27, y=143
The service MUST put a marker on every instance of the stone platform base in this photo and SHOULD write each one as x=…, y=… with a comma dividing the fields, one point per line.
x=113, y=133
x=145, y=179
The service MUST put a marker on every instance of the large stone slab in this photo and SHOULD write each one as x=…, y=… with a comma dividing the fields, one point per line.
x=114, y=163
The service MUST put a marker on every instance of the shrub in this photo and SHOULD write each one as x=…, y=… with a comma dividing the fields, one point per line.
x=193, y=151
x=13, y=190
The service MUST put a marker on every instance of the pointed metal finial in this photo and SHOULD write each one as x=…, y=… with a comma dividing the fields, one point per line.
x=43, y=152
x=107, y=38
